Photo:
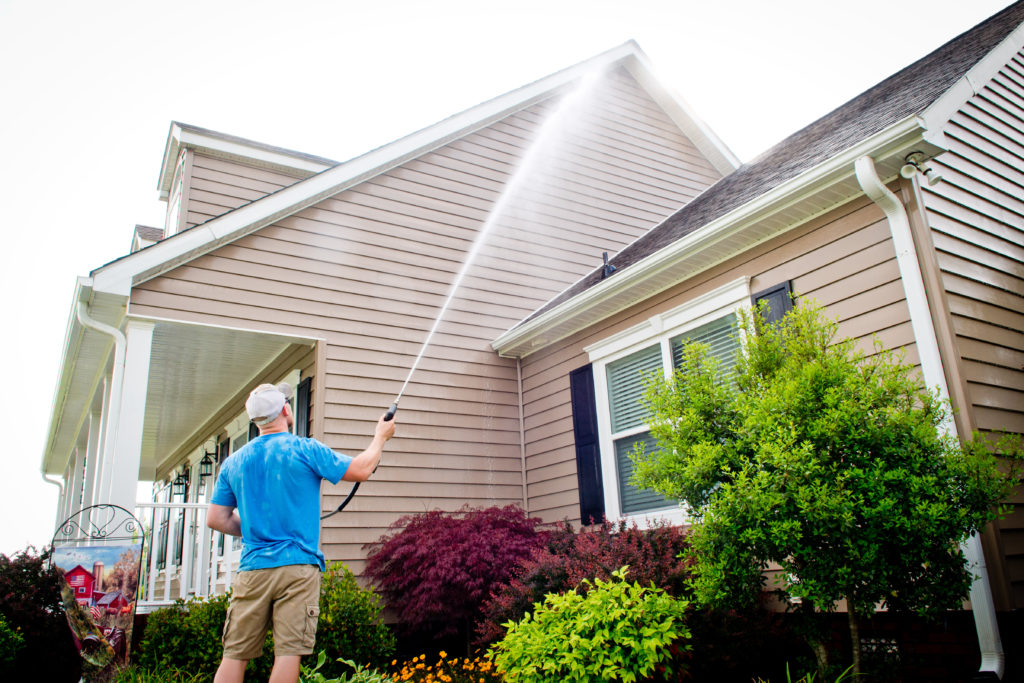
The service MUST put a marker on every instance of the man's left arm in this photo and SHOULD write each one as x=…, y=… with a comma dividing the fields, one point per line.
x=224, y=519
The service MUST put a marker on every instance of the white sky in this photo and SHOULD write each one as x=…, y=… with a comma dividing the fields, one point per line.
x=88, y=91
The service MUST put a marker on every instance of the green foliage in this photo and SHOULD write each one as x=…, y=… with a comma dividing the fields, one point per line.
x=11, y=642
x=825, y=460
x=361, y=674
x=137, y=674
x=187, y=637
x=350, y=622
x=30, y=603
x=615, y=631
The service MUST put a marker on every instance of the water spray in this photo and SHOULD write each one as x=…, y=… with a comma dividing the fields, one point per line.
x=572, y=102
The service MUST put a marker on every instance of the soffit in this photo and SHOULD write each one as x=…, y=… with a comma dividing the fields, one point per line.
x=194, y=371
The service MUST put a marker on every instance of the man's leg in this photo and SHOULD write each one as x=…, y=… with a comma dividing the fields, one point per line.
x=286, y=669
x=231, y=671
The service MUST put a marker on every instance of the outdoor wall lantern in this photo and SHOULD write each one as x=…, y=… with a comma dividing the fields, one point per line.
x=206, y=465
x=180, y=485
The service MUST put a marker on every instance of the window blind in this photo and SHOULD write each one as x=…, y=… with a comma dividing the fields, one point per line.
x=635, y=499
x=626, y=387
x=721, y=338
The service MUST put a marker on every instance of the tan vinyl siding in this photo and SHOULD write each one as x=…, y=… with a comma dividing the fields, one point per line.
x=844, y=260
x=368, y=270
x=976, y=216
x=215, y=186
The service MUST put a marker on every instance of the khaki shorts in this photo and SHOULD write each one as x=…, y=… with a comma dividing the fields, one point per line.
x=287, y=597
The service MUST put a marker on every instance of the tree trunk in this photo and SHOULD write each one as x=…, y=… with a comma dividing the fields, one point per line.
x=851, y=616
x=821, y=657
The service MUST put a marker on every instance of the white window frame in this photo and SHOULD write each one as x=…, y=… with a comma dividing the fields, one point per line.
x=659, y=329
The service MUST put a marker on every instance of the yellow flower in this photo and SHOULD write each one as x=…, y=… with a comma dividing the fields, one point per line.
x=442, y=654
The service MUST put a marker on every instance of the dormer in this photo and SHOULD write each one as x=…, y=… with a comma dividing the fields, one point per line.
x=144, y=236
x=205, y=173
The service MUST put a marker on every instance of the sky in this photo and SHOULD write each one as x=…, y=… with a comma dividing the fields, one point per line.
x=88, y=91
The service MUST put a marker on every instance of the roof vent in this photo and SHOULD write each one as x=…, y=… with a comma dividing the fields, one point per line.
x=607, y=269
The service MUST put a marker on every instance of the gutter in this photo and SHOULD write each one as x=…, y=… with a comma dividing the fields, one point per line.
x=993, y=658
x=116, y=381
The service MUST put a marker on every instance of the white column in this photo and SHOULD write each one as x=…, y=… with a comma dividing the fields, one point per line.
x=92, y=458
x=73, y=490
x=123, y=455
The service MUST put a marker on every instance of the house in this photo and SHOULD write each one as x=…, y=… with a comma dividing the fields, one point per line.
x=114, y=602
x=900, y=212
x=82, y=583
x=276, y=265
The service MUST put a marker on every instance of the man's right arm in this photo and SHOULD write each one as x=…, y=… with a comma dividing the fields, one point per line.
x=224, y=519
x=363, y=465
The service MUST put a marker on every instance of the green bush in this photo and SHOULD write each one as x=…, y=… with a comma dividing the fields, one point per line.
x=350, y=623
x=613, y=631
x=10, y=642
x=187, y=636
x=30, y=603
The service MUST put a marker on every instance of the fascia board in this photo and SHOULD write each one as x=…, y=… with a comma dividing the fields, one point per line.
x=119, y=276
x=683, y=115
x=72, y=342
x=939, y=112
x=836, y=169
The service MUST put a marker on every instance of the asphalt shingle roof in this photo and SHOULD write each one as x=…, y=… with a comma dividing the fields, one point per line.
x=903, y=94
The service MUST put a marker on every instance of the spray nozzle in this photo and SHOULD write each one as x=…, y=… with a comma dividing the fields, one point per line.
x=392, y=409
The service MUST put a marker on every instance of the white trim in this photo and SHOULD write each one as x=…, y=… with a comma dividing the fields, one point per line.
x=939, y=112
x=596, y=303
x=182, y=136
x=658, y=329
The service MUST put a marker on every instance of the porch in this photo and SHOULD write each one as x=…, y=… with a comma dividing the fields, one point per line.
x=182, y=558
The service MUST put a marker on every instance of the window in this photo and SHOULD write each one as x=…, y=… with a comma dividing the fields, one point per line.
x=623, y=363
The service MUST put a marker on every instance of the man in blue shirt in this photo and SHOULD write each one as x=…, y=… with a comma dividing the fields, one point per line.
x=269, y=494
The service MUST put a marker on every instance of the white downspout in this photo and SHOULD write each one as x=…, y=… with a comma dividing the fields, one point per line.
x=114, y=408
x=993, y=659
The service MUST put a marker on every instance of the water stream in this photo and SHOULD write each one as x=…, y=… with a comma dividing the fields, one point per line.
x=551, y=132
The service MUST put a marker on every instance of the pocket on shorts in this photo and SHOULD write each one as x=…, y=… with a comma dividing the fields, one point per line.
x=309, y=632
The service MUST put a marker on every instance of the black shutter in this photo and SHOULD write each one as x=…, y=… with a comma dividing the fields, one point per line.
x=779, y=299
x=254, y=431
x=588, y=449
x=302, y=395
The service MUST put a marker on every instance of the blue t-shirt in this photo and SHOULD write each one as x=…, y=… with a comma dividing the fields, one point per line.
x=274, y=481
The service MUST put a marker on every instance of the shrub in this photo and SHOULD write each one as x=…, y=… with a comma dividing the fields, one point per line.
x=350, y=623
x=10, y=642
x=594, y=553
x=187, y=637
x=436, y=569
x=30, y=602
x=613, y=630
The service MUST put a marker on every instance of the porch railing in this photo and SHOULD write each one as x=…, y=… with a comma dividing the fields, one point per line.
x=182, y=557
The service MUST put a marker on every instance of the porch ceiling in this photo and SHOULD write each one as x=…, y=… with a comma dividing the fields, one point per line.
x=194, y=371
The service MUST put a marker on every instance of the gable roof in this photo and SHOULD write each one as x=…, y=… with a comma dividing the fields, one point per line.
x=907, y=108
x=117, y=277
x=186, y=136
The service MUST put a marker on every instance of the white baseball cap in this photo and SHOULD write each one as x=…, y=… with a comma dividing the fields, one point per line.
x=266, y=402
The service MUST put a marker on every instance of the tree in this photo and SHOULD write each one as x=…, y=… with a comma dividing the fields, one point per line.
x=124, y=576
x=825, y=461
